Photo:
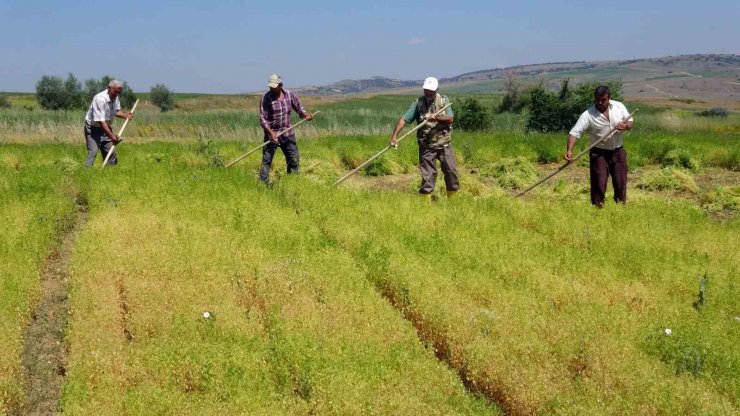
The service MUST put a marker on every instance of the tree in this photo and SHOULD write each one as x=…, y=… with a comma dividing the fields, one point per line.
x=93, y=86
x=472, y=116
x=550, y=112
x=514, y=101
x=4, y=102
x=161, y=96
x=54, y=94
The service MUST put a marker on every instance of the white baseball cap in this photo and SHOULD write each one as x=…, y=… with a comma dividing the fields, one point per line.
x=431, y=84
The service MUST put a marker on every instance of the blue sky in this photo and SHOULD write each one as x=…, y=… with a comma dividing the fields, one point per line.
x=233, y=46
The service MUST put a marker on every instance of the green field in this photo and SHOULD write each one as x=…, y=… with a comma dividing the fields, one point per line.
x=364, y=298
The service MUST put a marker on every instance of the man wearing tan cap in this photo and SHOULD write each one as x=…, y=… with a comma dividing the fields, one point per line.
x=434, y=138
x=275, y=108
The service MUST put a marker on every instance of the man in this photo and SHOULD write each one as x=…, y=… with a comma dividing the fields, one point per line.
x=433, y=138
x=99, y=121
x=275, y=108
x=608, y=158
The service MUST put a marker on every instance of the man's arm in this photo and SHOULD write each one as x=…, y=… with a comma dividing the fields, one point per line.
x=399, y=126
x=569, y=150
x=296, y=104
x=627, y=124
x=128, y=116
x=108, y=132
x=575, y=133
x=98, y=116
x=264, y=122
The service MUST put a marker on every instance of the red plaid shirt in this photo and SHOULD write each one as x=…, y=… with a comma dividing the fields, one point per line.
x=275, y=113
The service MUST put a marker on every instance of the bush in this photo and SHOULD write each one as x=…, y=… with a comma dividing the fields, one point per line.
x=472, y=116
x=514, y=101
x=52, y=93
x=4, y=102
x=161, y=96
x=550, y=112
x=714, y=112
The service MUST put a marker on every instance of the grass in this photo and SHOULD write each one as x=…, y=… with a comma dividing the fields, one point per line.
x=364, y=299
x=36, y=204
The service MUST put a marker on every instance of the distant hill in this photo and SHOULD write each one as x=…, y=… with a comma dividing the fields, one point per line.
x=702, y=76
x=351, y=86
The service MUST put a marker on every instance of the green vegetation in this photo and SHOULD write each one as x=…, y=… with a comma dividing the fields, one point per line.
x=366, y=299
x=53, y=93
x=162, y=97
x=471, y=115
x=37, y=205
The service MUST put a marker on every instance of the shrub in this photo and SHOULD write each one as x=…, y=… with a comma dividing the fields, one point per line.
x=714, y=112
x=52, y=93
x=472, y=116
x=550, y=112
x=4, y=102
x=161, y=96
x=514, y=101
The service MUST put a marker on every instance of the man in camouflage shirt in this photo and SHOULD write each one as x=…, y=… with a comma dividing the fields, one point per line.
x=433, y=138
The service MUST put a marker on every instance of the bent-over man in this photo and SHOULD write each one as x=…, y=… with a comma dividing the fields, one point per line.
x=275, y=108
x=434, y=138
x=99, y=122
x=608, y=158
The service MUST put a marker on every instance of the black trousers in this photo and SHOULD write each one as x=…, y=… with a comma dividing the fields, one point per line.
x=290, y=150
x=605, y=163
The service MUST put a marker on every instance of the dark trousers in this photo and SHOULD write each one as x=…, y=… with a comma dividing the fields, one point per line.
x=605, y=163
x=428, y=168
x=290, y=150
x=97, y=140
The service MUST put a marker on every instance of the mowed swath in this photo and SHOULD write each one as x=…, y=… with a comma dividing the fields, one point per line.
x=296, y=327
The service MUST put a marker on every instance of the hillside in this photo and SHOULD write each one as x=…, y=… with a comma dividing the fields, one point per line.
x=699, y=77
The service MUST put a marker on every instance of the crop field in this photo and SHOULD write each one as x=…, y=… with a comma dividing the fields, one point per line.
x=171, y=285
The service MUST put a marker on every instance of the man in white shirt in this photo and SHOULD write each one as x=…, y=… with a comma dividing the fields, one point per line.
x=608, y=158
x=99, y=121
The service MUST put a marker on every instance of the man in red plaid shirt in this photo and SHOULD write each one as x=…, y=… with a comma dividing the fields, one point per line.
x=275, y=108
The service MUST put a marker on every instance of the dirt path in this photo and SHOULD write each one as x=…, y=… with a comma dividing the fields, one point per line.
x=659, y=91
x=44, y=353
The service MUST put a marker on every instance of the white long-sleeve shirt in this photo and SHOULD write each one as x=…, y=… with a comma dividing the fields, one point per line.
x=598, y=126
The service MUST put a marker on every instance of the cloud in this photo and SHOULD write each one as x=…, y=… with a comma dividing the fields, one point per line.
x=416, y=41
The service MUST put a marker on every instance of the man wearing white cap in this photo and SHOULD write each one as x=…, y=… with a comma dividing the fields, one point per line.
x=275, y=108
x=433, y=138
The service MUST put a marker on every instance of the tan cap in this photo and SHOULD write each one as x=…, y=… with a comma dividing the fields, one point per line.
x=274, y=81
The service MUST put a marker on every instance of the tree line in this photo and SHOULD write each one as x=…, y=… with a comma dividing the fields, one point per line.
x=55, y=93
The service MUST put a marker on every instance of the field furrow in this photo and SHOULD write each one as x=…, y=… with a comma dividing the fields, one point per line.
x=292, y=326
